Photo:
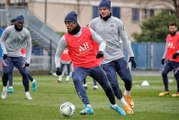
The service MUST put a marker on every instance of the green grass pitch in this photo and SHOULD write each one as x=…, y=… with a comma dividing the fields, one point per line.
x=50, y=94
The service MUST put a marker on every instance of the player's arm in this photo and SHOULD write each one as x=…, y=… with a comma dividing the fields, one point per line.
x=2, y=41
x=165, y=51
x=61, y=46
x=125, y=39
x=28, y=48
x=99, y=40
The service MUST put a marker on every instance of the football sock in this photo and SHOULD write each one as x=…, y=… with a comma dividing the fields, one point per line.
x=123, y=101
x=127, y=92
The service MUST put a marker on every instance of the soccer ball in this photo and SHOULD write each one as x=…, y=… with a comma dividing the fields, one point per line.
x=67, y=109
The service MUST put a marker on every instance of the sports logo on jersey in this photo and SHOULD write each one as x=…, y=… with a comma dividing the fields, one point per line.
x=170, y=45
x=84, y=47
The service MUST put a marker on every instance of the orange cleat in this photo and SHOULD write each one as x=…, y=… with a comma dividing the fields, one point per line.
x=129, y=100
x=128, y=109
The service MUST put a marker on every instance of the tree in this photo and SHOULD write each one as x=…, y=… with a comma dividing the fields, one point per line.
x=155, y=28
x=175, y=3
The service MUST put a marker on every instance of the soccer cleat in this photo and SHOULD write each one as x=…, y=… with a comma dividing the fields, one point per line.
x=10, y=90
x=59, y=79
x=28, y=97
x=67, y=78
x=85, y=86
x=87, y=110
x=4, y=93
x=95, y=87
x=119, y=110
x=34, y=85
x=129, y=100
x=175, y=94
x=128, y=109
x=164, y=93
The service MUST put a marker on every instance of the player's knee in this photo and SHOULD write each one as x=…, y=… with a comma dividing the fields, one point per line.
x=164, y=73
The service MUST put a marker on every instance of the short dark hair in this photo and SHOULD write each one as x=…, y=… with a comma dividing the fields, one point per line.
x=172, y=24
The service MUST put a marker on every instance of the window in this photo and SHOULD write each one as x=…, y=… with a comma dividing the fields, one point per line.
x=116, y=12
x=95, y=11
x=135, y=14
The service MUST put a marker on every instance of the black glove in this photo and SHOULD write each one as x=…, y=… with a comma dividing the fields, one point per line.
x=175, y=55
x=163, y=61
x=100, y=54
x=58, y=71
x=27, y=64
x=132, y=60
x=4, y=56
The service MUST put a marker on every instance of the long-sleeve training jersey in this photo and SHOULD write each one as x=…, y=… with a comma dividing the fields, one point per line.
x=12, y=41
x=114, y=34
x=82, y=48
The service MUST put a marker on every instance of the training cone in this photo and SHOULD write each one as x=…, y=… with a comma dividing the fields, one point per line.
x=145, y=83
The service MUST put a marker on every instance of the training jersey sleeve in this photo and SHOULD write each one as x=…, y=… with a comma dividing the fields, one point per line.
x=28, y=47
x=61, y=46
x=3, y=38
x=125, y=39
x=99, y=40
x=165, y=51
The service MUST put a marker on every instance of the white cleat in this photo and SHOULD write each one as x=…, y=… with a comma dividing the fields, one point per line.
x=4, y=93
x=67, y=78
x=28, y=96
x=95, y=87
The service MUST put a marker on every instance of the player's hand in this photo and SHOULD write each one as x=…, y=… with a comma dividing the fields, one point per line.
x=132, y=60
x=58, y=71
x=27, y=64
x=4, y=56
x=163, y=61
x=175, y=55
x=100, y=54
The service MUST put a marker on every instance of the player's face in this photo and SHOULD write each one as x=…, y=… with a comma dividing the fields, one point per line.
x=104, y=11
x=70, y=26
x=172, y=29
x=19, y=25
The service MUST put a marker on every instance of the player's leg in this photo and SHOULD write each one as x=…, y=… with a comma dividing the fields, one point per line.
x=123, y=71
x=167, y=68
x=19, y=64
x=68, y=71
x=85, y=84
x=10, y=78
x=95, y=87
x=6, y=69
x=78, y=76
x=34, y=82
x=176, y=75
x=110, y=70
x=98, y=74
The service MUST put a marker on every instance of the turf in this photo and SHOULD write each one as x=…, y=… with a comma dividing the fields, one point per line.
x=50, y=94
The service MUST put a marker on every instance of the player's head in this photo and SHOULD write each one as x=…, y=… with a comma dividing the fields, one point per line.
x=71, y=21
x=172, y=28
x=105, y=8
x=13, y=21
x=19, y=23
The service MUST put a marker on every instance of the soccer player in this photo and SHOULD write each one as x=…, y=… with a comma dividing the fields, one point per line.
x=10, y=76
x=65, y=61
x=170, y=59
x=112, y=30
x=80, y=42
x=12, y=40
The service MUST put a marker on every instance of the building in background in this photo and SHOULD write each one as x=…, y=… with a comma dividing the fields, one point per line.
x=132, y=12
